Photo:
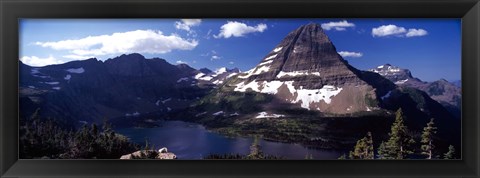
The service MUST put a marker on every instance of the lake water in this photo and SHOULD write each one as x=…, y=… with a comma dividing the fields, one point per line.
x=193, y=141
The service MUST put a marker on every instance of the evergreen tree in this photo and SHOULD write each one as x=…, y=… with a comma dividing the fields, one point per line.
x=344, y=156
x=427, y=139
x=382, y=151
x=398, y=145
x=450, y=154
x=363, y=149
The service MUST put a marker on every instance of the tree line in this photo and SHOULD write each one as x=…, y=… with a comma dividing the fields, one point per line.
x=400, y=143
x=44, y=138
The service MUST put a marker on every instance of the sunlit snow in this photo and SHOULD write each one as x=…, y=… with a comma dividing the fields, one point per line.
x=266, y=115
x=296, y=73
x=277, y=49
x=271, y=57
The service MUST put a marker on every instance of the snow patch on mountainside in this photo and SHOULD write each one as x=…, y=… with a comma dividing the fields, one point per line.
x=266, y=62
x=401, y=81
x=270, y=57
x=182, y=79
x=277, y=49
x=68, y=77
x=296, y=73
x=76, y=71
x=304, y=96
x=307, y=96
x=266, y=115
x=262, y=69
x=218, y=113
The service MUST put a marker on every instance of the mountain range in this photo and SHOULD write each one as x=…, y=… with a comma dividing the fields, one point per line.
x=125, y=86
x=301, y=91
x=446, y=93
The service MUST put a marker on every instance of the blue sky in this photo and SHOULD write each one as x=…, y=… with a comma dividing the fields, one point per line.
x=430, y=48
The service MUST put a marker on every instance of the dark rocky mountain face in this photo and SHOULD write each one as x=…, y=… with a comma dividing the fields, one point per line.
x=442, y=91
x=125, y=86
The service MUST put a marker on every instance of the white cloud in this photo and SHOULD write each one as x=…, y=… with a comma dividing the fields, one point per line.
x=186, y=24
x=181, y=62
x=231, y=62
x=238, y=29
x=138, y=41
x=416, y=32
x=39, y=62
x=388, y=30
x=215, y=57
x=339, y=26
x=350, y=54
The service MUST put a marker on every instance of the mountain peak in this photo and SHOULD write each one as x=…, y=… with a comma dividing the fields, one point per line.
x=306, y=51
x=393, y=73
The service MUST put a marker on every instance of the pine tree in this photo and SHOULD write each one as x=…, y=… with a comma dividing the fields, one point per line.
x=363, y=149
x=427, y=139
x=382, y=151
x=450, y=154
x=398, y=146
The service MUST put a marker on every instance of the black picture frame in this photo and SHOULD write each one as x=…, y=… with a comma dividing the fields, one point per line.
x=12, y=10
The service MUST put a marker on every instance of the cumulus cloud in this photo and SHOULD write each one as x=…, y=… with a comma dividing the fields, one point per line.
x=388, y=30
x=215, y=57
x=187, y=24
x=416, y=32
x=181, y=62
x=338, y=26
x=39, y=62
x=138, y=41
x=350, y=54
x=238, y=29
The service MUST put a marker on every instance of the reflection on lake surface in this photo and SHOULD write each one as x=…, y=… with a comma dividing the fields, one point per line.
x=193, y=141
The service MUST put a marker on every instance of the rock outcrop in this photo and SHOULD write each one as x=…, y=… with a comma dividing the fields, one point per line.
x=150, y=154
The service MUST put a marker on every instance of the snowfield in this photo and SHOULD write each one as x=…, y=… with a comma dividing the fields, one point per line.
x=304, y=96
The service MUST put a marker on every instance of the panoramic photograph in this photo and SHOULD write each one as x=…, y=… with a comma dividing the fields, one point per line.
x=241, y=89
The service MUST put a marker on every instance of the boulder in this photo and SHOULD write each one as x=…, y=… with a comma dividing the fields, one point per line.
x=150, y=154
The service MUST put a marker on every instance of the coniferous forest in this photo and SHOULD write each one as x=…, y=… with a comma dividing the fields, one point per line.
x=46, y=138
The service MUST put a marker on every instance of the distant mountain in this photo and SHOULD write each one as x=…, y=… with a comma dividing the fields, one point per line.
x=124, y=86
x=304, y=82
x=446, y=93
x=218, y=76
